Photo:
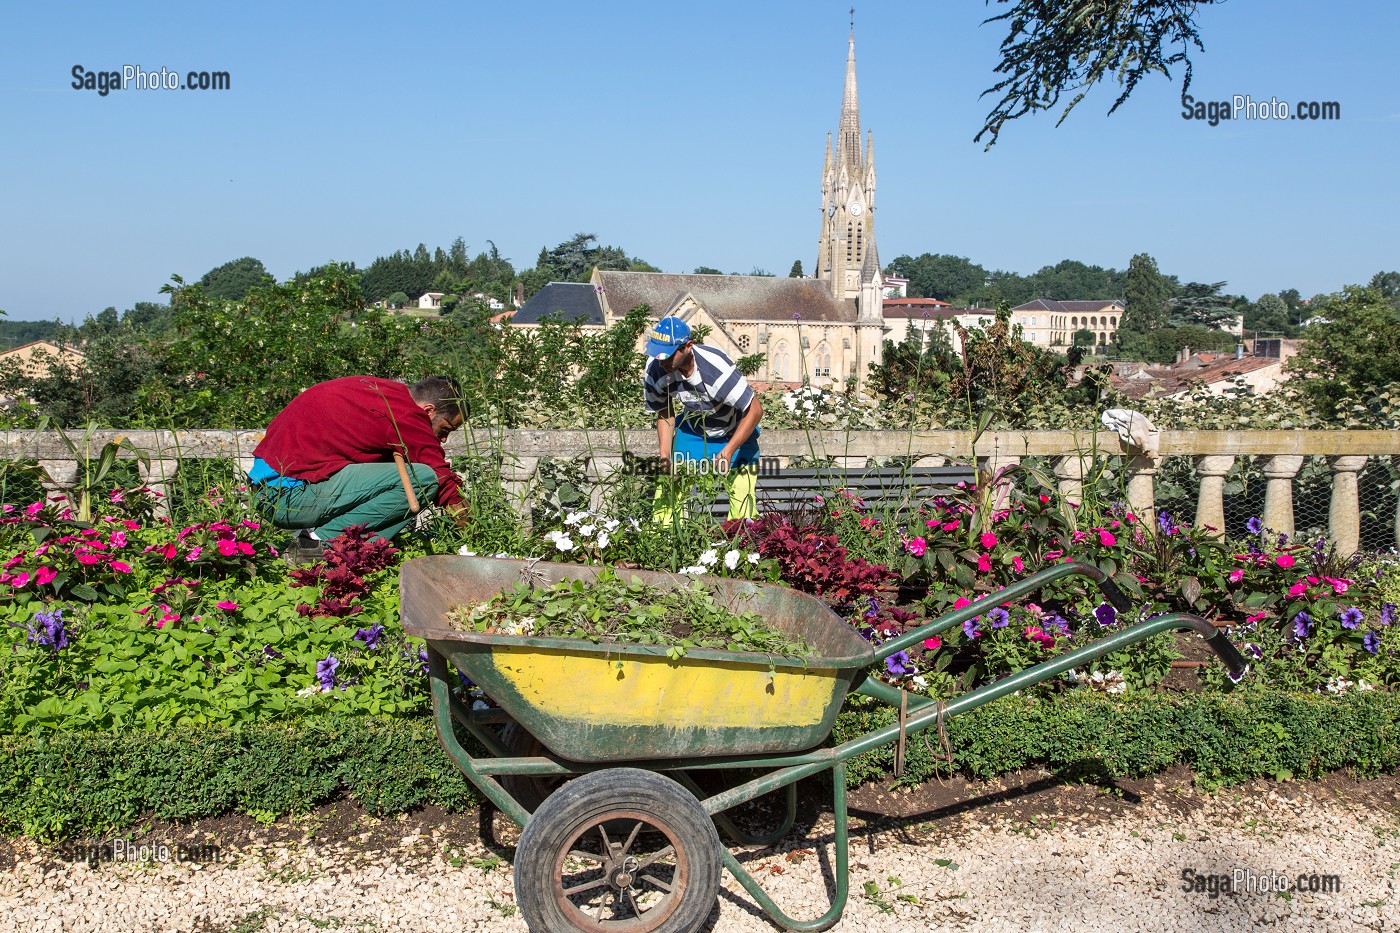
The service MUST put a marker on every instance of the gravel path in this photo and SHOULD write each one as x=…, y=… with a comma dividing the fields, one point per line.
x=1069, y=865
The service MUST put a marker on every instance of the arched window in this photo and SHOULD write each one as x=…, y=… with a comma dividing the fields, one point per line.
x=780, y=361
x=1074, y=322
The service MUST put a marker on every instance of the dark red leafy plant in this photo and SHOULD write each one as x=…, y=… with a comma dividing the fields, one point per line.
x=341, y=572
x=810, y=559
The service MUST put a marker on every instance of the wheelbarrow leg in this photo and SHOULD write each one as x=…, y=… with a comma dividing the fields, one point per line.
x=838, y=903
x=739, y=837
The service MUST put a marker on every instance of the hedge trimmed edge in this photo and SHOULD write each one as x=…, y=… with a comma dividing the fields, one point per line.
x=69, y=785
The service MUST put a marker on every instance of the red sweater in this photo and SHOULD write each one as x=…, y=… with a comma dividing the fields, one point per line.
x=357, y=419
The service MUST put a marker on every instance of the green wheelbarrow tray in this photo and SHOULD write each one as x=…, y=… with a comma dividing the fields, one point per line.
x=602, y=702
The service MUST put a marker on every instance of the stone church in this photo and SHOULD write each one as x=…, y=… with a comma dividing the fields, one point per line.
x=826, y=329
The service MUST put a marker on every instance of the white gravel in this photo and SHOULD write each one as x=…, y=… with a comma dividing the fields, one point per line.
x=982, y=869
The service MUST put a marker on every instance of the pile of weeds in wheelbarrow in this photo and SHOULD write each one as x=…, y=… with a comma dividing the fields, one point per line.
x=611, y=609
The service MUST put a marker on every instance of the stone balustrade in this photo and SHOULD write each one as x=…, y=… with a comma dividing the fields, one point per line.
x=1073, y=454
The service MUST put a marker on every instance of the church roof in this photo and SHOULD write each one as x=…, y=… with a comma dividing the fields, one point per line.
x=572, y=301
x=727, y=297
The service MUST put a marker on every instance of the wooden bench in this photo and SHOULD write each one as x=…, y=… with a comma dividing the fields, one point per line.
x=900, y=488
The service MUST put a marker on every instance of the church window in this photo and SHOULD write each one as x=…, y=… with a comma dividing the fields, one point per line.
x=743, y=343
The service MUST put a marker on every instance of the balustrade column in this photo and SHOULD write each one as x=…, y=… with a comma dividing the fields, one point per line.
x=59, y=481
x=1278, y=495
x=1070, y=472
x=516, y=475
x=1142, y=473
x=1344, y=516
x=601, y=471
x=1210, y=503
x=156, y=476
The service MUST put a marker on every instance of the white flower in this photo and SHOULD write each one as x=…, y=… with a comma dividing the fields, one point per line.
x=611, y=524
x=553, y=535
x=731, y=560
x=573, y=518
x=920, y=681
x=709, y=558
x=603, y=539
x=695, y=571
x=308, y=691
x=564, y=543
x=753, y=557
x=586, y=530
x=465, y=551
x=636, y=525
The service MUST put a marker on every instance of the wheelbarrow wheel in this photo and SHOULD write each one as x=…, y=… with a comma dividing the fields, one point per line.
x=620, y=850
x=529, y=792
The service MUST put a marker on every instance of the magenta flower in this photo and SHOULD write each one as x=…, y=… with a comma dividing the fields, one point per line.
x=1285, y=561
x=1236, y=576
x=984, y=563
x=1106, y=538
x=120, y=566
x=44, y=575
x=933, y=644
x=989, y=540
x=1018, y=564
x=917, y=546
x=227, y=605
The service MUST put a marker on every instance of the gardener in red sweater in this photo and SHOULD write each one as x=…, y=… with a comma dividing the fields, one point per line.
x=327, y=460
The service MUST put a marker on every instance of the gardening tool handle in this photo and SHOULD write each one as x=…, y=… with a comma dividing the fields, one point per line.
x=1114, y=595
x=413, y=505
x=1229, y=655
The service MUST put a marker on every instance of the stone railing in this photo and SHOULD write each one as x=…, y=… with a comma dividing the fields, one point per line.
x=1072, y=454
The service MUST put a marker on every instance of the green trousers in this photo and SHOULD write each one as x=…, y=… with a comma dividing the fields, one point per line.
x=369, y=494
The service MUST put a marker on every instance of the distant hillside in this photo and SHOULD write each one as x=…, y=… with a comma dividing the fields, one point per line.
x=18, y=333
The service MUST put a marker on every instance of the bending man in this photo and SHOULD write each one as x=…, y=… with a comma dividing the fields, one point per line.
x=718, y=417
x=327, y=460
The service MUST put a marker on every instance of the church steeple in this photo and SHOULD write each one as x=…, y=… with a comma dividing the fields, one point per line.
x=846, y=256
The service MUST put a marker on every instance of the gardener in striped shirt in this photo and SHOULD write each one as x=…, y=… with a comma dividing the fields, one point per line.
x=716, y=418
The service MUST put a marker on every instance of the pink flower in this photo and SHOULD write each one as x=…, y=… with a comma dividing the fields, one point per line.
x=1256, y=617
x=117, y=495
x=1017, y=563
x=961, y=602
x=118, y=539
x=1236, y=576
x=132, y=526
x=1285, y=561
x=932, y=644
x=1038, y=636
x=20, y=579
x=1106, y=538
x=44, y=575
x=989, y=540
x=984, y=563
x=1079, y=536
x=1053, y=555
x=1044, y=499
x=15, y=561
x=88, y=559
x=34, y=509
x=227, y=605
x=933, y=523
x=1130, y=518
x=120, y=566
x=916, y=547
x=1298, y=589
x=194, y=553
x=227, y=547
x=246, y=549
x=1338, y=586
x=249, y=524
x=951, y=526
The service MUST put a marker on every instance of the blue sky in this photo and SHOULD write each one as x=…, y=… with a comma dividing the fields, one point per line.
x=687, y=134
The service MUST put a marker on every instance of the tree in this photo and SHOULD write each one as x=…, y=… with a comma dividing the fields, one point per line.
x=1072, y=45
x=1388, y=284
x=939, y=276
x=232, y=280
x=1269, y=315
x=1145, y=294
x=1198, y=303
x=1084, y=337
x=796, y=271
x=707, y=270
x=1348, y=363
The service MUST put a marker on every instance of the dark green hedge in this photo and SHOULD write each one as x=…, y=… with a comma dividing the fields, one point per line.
x=73, y=784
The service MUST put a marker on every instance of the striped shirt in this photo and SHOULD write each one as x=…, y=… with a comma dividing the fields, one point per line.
x=713, y=396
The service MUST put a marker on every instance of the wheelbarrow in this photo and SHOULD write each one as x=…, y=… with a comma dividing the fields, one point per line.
x=600, y=751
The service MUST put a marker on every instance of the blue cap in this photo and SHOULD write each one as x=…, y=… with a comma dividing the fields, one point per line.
x=668, y=334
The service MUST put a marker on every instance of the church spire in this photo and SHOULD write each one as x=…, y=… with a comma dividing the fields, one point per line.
x=848, y=139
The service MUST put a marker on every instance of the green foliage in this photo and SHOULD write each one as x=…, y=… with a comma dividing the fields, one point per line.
x=1145, y=294
x=796, y=271
x=1348, y=366
x=939, y=276
x=609, y=609
x=233, y=280
x=1073, y=46
x=1254, y=732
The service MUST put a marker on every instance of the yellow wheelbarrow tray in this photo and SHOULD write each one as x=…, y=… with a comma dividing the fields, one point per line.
x=633, y=722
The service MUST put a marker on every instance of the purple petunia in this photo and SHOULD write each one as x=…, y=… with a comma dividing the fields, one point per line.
x=271, y=653
x=1352, y=617
x=370, y=636
x=1054, y=622
x=1164, y=522
x=1105, y=614
x=51, y=633
x=1387, y=613
x=1302, y=625
x=970, y=628
x=325, y=671
x=1253, y=651
x=898, y=664
x=999, y=618
x=1372, y=642
x=1254, y=526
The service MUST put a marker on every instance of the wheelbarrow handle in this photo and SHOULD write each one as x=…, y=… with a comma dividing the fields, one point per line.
x=1015, y=591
